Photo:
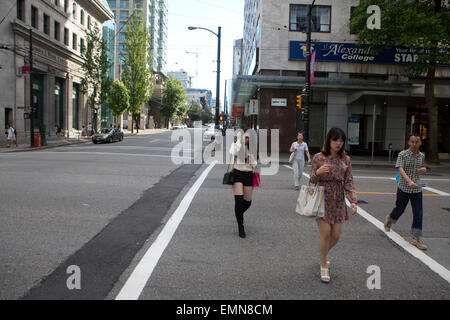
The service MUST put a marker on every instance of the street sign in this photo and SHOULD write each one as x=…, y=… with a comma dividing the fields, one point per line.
x=26, y=116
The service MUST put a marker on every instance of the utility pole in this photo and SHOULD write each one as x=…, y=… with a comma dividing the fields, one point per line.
x=308, y=73
x=31, y=92
x=218, y=78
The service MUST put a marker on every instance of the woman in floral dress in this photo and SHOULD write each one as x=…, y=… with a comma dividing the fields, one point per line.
x=332, y=169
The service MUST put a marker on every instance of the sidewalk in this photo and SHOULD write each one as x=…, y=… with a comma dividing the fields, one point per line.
x=378, y=162
x=54, y=142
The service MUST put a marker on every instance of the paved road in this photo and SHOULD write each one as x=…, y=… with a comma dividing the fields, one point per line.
x=108, y=209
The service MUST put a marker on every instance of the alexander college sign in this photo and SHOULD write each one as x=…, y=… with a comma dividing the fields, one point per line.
x=350, y=52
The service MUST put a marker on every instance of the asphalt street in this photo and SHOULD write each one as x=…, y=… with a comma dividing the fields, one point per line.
x=104, y=208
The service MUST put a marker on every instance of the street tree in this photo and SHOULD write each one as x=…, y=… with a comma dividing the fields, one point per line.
x=174, y=98
x=424, y=27
x=137, y=72
x=118, y=99
x=96, y=82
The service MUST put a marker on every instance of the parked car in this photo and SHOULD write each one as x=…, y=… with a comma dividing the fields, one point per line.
x=108, y=136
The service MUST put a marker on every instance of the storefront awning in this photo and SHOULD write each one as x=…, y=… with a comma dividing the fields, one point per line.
x=244, y=87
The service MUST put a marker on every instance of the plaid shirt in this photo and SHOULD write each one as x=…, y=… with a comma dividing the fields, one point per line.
x=410, y=162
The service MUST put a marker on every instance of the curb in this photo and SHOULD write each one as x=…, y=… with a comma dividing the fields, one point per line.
x=46, y=147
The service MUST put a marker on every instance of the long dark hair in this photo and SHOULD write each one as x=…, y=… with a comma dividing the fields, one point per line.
x=335, y=134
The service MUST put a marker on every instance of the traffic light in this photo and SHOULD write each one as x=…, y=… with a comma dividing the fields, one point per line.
x=221, y=118
x=299, y=102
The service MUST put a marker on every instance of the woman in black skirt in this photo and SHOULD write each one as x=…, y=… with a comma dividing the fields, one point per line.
x=243, y=178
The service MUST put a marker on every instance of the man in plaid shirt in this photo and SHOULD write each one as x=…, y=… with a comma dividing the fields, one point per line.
x=411, y=165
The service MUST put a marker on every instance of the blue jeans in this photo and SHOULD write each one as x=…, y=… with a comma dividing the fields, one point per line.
x=416, y=202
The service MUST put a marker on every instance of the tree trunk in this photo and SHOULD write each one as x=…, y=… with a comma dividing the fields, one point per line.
x=432, y=107
x=432, y=149
x=132, y=124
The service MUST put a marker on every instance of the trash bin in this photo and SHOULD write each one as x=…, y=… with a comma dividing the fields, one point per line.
x=37, y=140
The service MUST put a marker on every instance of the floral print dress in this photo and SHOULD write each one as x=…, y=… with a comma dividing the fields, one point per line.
x=337, y=183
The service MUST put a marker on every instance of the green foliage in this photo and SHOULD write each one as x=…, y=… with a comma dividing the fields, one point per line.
x=118, y=99
x=137, y=72
x=174, y=99
x=424, y=27
x=204, y=115
x=96, y=82
x=418, y=25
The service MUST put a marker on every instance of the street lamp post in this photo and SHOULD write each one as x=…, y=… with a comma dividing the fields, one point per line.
x=218, y=35
x=308, y=73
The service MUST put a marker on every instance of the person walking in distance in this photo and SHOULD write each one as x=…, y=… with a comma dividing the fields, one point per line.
x=411, y=165
x=243, y=178
x=11, y=136
x=332, y=169
x=300, y=148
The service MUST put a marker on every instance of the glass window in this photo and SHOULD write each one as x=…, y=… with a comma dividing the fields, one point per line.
x=124, y=14
x=46, y=24
x=66, y=5
x=122, y=36
x=34, y=17
x=89, y=22
x=74, y=41
x=81, y=45
x=74, y=10
x=66, y=36
x=112, y=3
x=82, y=17
x=320, y=20
x=138, y=3
x=124, y=3
x=20, y=4
x=57, y=27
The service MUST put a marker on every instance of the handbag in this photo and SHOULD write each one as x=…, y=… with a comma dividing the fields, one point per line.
x=311, y=201
x=291, y=158
x=256, y=179
x=228, y=177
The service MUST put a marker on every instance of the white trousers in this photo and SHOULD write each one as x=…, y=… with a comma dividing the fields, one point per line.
x=298, y=166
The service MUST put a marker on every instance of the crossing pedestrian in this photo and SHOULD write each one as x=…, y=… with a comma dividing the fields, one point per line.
x=332, y=169
x=411, y=165
x=300, y=148
x=243, y=178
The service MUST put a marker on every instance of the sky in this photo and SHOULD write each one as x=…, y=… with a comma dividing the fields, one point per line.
x=208, y=14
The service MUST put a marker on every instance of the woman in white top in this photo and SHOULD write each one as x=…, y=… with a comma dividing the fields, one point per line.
x=11, y=136
x=300, y=148
x=243, y=178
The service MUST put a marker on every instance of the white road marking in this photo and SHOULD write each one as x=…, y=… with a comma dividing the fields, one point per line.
x=415, y=252
x=436, y=191
x=143, y=271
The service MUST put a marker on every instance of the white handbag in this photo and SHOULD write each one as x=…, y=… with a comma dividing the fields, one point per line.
x=291, y=158
x=311, y=201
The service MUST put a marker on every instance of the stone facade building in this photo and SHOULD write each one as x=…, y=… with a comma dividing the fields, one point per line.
x=58, y=30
